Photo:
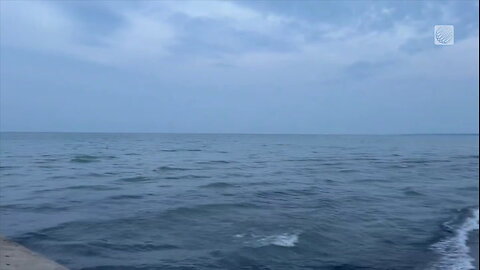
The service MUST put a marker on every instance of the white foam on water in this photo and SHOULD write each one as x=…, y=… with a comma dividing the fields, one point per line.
x=255, y=240
x=282, y=240
x=454, y=250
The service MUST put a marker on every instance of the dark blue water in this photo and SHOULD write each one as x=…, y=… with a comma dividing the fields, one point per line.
x=156, y=201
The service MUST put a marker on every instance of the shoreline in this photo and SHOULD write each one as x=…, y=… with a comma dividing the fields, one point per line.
x=17, y=257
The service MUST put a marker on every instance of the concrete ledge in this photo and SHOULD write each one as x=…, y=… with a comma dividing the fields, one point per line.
x=16, y=257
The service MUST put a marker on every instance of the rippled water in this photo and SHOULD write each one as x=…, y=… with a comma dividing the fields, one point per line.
x=157, y=201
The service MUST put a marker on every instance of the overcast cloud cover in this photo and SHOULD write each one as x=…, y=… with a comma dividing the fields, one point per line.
x=238, y=67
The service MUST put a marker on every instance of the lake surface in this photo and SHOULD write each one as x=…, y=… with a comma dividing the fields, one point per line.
x=178, y=201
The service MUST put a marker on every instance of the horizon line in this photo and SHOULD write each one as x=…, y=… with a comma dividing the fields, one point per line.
x=242, y=133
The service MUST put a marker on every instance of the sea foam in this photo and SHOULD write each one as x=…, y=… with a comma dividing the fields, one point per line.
x=454, y=250
x=282, y=240
x=285, y=240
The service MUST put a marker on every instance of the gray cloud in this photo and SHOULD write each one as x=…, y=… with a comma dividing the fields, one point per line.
x=217, y=66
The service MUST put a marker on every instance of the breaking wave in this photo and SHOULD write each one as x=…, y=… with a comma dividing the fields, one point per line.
x=454, y=250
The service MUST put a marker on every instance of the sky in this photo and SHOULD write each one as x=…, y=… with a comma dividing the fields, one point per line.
x=339, y=67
